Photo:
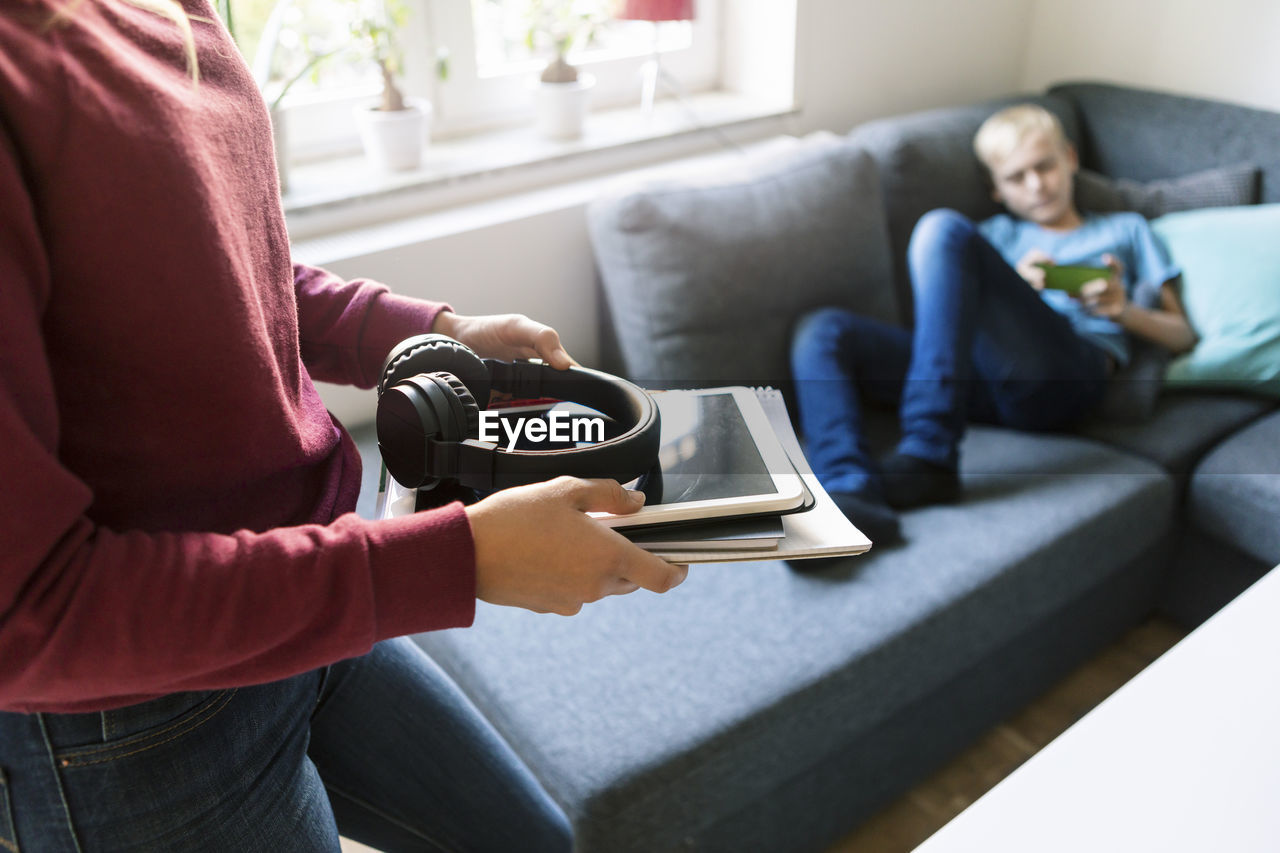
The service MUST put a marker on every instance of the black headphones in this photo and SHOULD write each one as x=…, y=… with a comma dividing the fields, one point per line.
x=432, y=389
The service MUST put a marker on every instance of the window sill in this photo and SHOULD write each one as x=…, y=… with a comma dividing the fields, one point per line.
x=343, y=193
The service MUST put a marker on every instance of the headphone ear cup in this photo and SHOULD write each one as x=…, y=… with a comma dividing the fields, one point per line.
x=464, y=408
x=417, y=411
x=433, y=354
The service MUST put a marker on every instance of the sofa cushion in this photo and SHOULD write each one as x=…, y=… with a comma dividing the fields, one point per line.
x=704, y=277
x=1182, y=427
x=1132, y=391
x=1230, y=260
x=653, y=718
x=1235, y=492
x=1144, y=135
x=1227, y=186
x=926, y=160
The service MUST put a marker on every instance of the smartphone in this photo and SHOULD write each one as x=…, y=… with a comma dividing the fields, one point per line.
x=1069, y=277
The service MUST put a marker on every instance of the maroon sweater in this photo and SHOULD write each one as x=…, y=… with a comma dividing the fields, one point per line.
x=175, y=502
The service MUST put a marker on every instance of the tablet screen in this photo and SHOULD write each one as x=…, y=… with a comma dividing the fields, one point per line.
x=707, y=450
x=706, y=453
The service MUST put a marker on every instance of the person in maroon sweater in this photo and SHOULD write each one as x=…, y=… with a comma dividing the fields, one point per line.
x=196, y=631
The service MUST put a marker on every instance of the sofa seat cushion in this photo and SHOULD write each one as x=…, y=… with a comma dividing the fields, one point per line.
x=1181, y=429
x=653, y=718
x=1235, y=492
x=1204, y=575
x=703, y=276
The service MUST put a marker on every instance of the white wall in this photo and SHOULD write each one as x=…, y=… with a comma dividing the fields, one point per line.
x=758, y=48
x=1226, y=49
x=538, y=263
x=862, y=59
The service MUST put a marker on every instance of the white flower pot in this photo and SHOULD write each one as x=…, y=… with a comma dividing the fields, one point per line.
x=562, y=107
x=394, y=139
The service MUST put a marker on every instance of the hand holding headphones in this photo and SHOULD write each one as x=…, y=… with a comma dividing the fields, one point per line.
x=504, y=336
x=535, y=545
x=432, y=389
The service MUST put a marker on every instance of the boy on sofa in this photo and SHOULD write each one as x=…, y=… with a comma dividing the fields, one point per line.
x=991, y=343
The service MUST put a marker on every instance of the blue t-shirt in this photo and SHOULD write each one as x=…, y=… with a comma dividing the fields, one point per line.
x=1125, y=235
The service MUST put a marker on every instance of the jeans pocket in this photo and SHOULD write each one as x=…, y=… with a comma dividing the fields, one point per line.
x=139, y=728
x=198, y=773
x=8, y=836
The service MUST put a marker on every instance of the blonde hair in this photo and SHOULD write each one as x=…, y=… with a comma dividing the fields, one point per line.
x=169, y=9
x=1003, y=132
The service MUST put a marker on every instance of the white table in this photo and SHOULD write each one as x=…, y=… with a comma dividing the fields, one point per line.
x=1185, y=757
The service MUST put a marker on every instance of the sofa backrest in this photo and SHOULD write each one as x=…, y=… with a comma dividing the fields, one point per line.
x=926, y=160
x=1144, y=135
x=703, y=278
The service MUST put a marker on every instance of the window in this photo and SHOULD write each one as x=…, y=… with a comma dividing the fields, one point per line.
x=489, y=79
x=506, y=42
x=311, y=67
x=473, y=59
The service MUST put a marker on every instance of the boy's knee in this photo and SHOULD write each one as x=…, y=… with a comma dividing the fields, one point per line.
x=940, y=229
x=820, y=328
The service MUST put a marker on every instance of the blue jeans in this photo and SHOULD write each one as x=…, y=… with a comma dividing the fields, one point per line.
x=383, y=748
x=985, y=349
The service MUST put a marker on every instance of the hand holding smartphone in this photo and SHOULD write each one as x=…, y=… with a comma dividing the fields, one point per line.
x=1071, y=277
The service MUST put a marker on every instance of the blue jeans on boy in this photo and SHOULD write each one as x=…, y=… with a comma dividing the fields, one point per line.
x=985, y=349
x=383, y=748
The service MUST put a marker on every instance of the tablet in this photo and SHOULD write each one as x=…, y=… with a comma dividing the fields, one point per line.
x=718, y=457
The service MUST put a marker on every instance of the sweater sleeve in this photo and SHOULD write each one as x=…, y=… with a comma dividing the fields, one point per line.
x=348, y=327
x=92, y=617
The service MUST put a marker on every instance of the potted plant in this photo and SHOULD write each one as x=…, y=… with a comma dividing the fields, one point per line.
x=562, y=90
x=394, y=130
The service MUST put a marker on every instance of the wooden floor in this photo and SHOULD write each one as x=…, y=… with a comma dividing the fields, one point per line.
x=907, y=822
x=922, y=811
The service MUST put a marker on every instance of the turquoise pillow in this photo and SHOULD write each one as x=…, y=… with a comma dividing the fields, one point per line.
x=1230, y=259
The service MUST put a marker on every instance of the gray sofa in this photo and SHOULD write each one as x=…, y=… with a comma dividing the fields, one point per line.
x=762, y=707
